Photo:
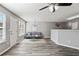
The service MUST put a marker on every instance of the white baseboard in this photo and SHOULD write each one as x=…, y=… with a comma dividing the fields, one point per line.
x=66, y=45
x=69, y=46
x=6, y=49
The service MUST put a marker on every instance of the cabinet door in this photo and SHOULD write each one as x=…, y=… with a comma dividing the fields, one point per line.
x=13, y=31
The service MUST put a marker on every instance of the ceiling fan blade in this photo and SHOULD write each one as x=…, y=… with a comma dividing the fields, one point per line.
x=43, y=8
x=64, y=4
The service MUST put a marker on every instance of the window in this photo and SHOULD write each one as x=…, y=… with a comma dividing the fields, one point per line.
x=21, y=27
x=2, y=27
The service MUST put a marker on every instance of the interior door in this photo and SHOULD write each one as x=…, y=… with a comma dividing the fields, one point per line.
x=13, y=31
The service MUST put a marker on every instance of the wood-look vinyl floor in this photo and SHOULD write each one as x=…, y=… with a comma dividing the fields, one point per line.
x=40, y=47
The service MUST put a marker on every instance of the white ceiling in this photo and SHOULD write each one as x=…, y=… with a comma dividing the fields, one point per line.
x=30, y=11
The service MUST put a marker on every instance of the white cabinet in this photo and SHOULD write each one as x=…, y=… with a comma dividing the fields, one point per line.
x=69, y=38
x=54, y=36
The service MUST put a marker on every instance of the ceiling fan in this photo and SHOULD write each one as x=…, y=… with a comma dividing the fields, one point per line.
x=52, y=6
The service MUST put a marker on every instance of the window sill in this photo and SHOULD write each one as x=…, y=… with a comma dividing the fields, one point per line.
x=22, y=34
x=2, y=41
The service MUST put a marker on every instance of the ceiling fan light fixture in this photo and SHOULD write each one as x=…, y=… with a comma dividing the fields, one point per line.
x=56, y=7
x=51, y=8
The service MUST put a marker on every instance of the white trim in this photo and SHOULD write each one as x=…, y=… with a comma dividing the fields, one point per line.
x=65, y=45
x=68, y=46
x=6, y=49
x=2, y=41
x=73, y=17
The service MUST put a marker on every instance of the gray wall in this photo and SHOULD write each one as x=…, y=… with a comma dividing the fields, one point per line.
x=73, y=23
x=44, y=27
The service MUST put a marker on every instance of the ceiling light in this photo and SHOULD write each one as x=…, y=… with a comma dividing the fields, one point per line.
x=73, y=17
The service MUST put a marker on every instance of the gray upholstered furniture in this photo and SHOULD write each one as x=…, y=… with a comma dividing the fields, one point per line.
x=36, y=35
